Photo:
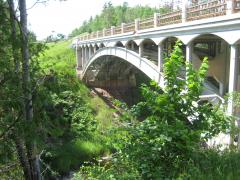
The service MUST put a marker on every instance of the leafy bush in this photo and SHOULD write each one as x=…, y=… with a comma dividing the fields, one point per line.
x=174, y=126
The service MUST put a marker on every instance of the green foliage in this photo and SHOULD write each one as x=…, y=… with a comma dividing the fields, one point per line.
x=115, y=15
x=73, y=124
x=174, y=125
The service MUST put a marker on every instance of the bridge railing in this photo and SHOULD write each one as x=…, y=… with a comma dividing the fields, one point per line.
x=117, y=30
x=206, y=10
x=237, y=5
x=194, y=11
x=146, y=23
x=129, y=27
x=107, y=32
x=169, y=18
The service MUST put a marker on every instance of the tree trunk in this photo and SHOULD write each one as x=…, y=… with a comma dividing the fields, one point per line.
x=28, y=108
x=19, y=142
x=14, y=35
x=22, y=157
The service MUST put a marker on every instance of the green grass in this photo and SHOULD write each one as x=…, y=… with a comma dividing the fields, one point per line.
x=60, y=58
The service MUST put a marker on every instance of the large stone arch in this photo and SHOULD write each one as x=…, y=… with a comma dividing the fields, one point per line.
x=143, y=64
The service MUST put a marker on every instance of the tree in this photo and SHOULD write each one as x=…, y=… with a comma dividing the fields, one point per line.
x=165, y=131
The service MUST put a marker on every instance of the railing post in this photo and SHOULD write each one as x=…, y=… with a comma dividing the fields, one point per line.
x=97, y=34
x=184, y=10
x=112, y=30
x=137, y=23
x=104, y=32
x=230, y=7
x=155, y=20
x=122, y=28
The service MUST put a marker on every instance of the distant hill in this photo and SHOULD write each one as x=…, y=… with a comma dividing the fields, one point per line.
x=115, y=15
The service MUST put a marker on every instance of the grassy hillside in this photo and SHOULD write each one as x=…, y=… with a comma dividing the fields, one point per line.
x=59, y=59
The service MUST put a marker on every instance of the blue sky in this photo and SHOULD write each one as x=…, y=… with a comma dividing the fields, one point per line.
x=63, y=17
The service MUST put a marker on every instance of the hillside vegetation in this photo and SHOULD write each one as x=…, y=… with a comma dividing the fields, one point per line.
x=88, y=117
x=115, y=15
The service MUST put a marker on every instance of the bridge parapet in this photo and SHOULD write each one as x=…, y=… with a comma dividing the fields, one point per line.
x=188, y=12
x=237, y=5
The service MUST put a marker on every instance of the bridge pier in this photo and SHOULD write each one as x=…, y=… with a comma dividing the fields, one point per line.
x=232, y=76
x=160, y=57
x=79, y=56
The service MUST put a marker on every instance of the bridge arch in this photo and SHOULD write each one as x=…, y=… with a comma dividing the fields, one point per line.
x=118, y=44
x=132, y=45
x=142, y=64
x=149, y=50
x=217, y=49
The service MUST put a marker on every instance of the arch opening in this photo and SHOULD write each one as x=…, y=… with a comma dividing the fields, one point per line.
x=132, y=45
x=168, y=47
x=119, y=44
x=150, y=50
x=117, y=78
x=218, y=52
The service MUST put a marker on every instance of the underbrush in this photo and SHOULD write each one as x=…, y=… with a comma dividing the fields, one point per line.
x=208, y=164
x=79, y=121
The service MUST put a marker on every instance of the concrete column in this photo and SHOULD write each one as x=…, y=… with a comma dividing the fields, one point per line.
x=221, y=89
x=184, y=10
x=232, y=76
x=189, y=51
x=112, y=30
x=79, y=57
x=94, y=49
x=90, y=52
x=122, y=27
x=86, y=55
x=230, y=7
x=160, y=57
x=137, y=25
x=156, y=15
x=83, y=55
x=141, y=49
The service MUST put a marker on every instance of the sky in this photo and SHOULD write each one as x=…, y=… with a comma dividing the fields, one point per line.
x=62, y=17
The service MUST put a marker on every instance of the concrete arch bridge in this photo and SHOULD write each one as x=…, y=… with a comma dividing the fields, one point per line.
x=115, y=57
